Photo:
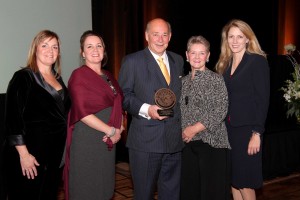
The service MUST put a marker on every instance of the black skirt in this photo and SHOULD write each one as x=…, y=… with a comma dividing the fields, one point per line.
x=246, y=170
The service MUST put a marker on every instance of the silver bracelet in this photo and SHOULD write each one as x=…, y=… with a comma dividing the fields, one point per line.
x=113, y=132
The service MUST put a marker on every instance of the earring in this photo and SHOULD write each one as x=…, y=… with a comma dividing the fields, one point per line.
x=207, y=60
x=187, y=60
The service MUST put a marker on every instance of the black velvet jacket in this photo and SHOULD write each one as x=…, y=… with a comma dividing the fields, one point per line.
x=36, y=115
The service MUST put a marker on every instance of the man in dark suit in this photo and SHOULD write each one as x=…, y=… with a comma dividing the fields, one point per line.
x=154, y=141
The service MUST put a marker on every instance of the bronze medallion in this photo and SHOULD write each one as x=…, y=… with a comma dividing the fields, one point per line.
x=165, y=99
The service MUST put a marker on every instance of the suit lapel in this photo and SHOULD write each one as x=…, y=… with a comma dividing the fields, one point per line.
x=172, y=67
x=154, y=68
x=242, y=65
x=40, y=81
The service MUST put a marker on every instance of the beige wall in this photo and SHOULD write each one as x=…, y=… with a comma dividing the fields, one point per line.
x=21, y=20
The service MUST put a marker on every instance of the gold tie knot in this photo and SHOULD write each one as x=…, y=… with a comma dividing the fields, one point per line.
x=164, y=69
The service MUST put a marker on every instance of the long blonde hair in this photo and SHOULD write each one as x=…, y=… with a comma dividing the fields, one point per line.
x=31, y=58
x=226, y=54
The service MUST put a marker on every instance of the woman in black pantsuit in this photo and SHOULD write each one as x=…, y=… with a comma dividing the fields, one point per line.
x=37, y=104
x=246, y=72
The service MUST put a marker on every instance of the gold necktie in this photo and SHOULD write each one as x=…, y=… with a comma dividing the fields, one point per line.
x=164, y=69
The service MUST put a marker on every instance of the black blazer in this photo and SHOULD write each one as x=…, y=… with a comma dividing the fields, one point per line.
x=140, y=77
x=248, y=92
x=36, y=116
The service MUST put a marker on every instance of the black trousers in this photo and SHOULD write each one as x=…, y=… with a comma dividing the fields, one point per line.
x=43, y=187
x=205, y=172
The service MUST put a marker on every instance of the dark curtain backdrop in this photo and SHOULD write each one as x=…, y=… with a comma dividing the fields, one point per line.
x=281, y=69
x=281, y=141
x=122, y=25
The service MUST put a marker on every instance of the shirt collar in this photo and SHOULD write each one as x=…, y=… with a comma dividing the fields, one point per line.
x=164, y=56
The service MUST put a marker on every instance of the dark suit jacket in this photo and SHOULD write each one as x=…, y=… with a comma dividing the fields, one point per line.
x=248, y=92
x=36, y=116
x=140, y=77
